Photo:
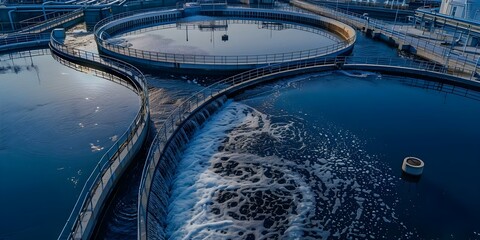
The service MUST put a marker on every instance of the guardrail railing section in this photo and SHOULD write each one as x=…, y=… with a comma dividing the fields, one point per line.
x=87, y=206
x=39, y=19
x=53, y=22
x=109, y=27
x=453, y=61
x=35, y=33
x=23, y=38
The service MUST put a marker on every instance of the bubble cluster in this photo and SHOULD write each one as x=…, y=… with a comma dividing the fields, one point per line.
x=256, y=176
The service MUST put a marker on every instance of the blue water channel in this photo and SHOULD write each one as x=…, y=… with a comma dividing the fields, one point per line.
x=55, y=125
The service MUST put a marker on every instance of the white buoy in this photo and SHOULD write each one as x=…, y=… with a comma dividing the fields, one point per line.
x=413, y=166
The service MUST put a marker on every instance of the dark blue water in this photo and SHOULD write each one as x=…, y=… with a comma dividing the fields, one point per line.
x=367, y=47
x=319, y=156
x=55, y=125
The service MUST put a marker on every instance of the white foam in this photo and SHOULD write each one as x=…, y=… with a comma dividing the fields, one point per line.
x=190, y=181
x=96, y=148
x=114, y=138
x=360, y=74
x=326, y=180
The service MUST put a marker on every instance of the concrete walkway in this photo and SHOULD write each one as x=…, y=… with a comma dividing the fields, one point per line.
x=408, y=39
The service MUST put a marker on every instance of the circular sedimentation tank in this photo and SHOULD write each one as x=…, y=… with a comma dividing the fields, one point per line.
x=286, y=147
x=58, y=119
x=225, y=39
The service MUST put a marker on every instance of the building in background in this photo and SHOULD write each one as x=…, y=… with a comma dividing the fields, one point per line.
x=464, y=9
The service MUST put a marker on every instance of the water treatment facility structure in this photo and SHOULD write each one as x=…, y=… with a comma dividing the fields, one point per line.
x=225, y=49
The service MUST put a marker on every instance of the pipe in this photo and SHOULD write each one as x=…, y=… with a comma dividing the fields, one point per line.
x=43, y=9
x=475, y=70
x=62, y=5
x=11, y=19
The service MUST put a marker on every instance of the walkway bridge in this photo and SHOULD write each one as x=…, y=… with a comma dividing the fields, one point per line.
x=431, y=19
x=62, y=21
x=424, y=48
x=148, y=221
x=38, y=34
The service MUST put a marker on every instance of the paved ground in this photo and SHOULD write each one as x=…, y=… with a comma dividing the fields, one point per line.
x=440, y=37
x=78, y=37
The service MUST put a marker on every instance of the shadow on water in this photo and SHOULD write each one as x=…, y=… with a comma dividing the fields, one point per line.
x=119, y=219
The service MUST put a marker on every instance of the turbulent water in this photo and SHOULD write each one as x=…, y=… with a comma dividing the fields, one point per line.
x=259, y=176
x=300, y=160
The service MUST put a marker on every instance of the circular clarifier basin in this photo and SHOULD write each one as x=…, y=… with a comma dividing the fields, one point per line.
x=316, y=157
x=55, y=126
x=231, y=39
x=222, y=37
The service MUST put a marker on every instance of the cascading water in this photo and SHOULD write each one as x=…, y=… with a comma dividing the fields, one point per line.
x=319, y=157
x=255, y=176
x=166, y=169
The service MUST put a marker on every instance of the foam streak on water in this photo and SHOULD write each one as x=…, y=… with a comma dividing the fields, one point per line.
x=252, y=176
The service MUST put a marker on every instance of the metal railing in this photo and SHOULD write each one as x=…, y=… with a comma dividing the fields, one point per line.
x=112, y=18
x=23, y=38
x=18, y=26
x=261, y=24
x=39, y=19
x=53, y=22
x=35, y=34
x=226, y=60
x=25, y=54
x=227, y=85
x=108, y=26
x=88, y=206
x=98, y=73
x=439, y=52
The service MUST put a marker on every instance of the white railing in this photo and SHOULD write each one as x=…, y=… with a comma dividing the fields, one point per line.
x=237, y=82
x=88, y=207
x=105, y=28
